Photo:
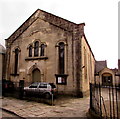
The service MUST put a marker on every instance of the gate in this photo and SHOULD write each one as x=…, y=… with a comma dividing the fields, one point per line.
x=105, y=101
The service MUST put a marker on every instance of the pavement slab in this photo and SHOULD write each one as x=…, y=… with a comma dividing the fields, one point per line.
x=75, y=107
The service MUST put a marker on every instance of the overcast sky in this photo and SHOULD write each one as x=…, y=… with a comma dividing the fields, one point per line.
x=100, y=17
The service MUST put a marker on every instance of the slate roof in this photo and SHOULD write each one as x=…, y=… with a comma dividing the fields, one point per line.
x=99, y=65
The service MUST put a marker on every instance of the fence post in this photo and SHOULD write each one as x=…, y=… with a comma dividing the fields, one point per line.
x=52, y=99
x=116, y=91
x=21, y=89
x=100, y=100
x=110, y=102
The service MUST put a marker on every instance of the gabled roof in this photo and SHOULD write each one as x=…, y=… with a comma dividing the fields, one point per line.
x=52, y=19
x=99, y=65
x=55, y=20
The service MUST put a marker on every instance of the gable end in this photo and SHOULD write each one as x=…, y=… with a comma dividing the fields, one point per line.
x=48, y=17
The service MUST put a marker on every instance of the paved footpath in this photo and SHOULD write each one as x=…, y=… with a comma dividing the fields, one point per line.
x=68, y=107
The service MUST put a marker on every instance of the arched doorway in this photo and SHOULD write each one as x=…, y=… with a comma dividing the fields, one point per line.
x=107, y=79
x=36, y=75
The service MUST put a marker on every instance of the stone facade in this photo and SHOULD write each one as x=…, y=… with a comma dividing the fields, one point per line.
x=2, y=58
x=64, y=55
x=88, y=65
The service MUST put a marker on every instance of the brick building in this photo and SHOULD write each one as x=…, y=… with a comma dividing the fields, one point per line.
x=47, y=48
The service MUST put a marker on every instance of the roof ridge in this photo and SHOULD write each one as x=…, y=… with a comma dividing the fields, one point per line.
x=61, y=17
x=51, y=18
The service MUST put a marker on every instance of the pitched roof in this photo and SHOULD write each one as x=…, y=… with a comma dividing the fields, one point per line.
x=55, y=20
x=99, y=65
x=52, y=19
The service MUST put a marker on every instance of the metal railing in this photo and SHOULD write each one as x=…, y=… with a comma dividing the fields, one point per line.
x=16, y=90
x=105, y=101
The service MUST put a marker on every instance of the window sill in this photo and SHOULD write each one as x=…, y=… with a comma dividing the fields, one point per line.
x=14, y=74
x=36, y=58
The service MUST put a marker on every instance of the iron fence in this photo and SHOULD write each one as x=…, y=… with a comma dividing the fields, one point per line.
x=105, y=101
x=16, y=90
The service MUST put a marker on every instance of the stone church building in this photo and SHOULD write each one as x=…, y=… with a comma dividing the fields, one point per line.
x=2, y=64
x=47, y=48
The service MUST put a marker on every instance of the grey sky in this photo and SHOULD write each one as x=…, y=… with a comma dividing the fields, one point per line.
x=100, y=17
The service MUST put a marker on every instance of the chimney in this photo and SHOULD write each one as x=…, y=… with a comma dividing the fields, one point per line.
x=118, y=64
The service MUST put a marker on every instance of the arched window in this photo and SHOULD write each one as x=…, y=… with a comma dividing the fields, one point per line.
x=61, y=57
x=16, y=61
x=36, y=48
x=30, y=51
x=42, y=50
